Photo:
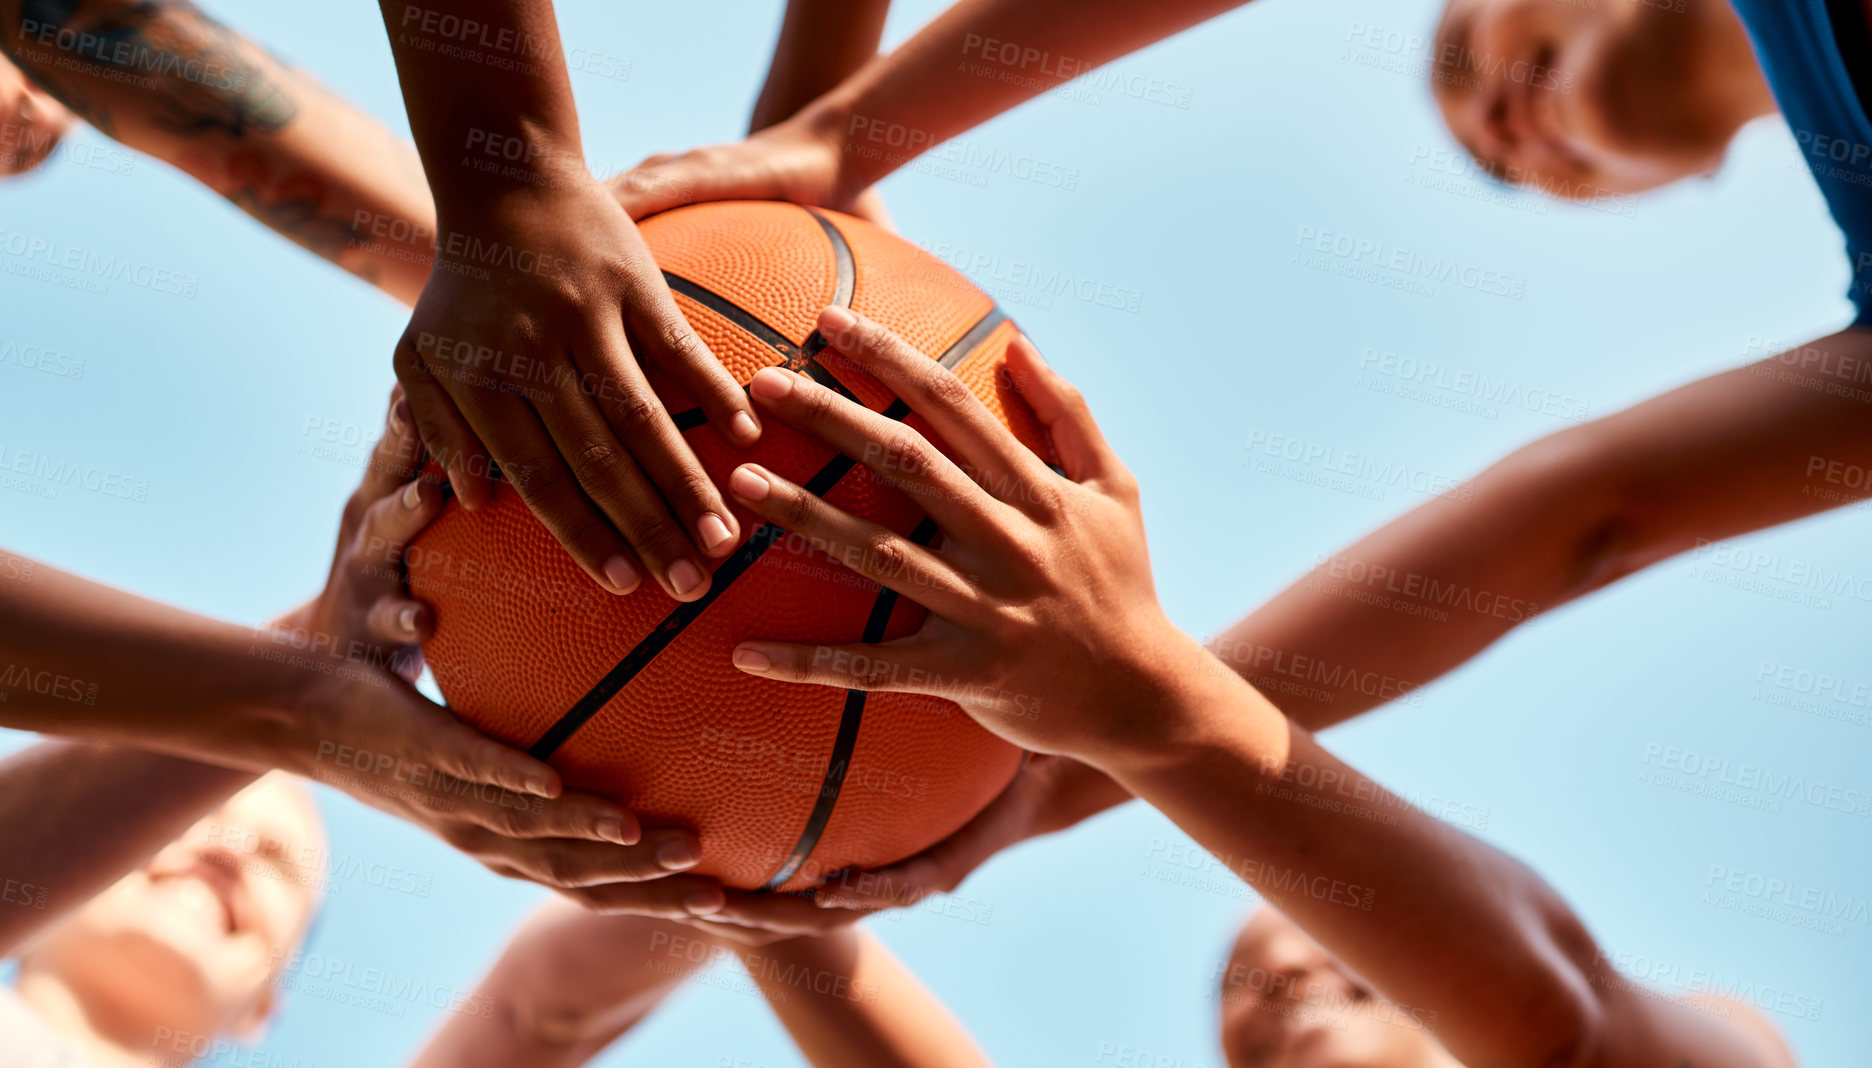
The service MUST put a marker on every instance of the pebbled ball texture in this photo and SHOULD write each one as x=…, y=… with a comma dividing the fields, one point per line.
x=522, y=634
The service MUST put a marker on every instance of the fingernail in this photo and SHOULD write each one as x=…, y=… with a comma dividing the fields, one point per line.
x=747, y=485
x=406, y=619
x=412, y=495
x=771, y=383
x=677, y=854
x=704, y=902
x=611, y=830
x=744, y=427
x=684, y=576
x=714, y=532
x=751, y=660
x=619, y=572
x=836, y=320
x=538, y=788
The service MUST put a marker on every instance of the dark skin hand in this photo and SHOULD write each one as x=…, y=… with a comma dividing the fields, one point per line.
x=526, y=353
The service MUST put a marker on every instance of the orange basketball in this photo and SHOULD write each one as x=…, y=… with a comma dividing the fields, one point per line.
x=635, y=697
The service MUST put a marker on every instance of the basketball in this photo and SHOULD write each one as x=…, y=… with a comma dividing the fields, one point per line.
x=635, y=697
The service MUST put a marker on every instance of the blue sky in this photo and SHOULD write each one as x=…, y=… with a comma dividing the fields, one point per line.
x=1286, y=131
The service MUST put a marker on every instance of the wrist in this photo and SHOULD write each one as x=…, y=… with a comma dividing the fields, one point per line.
x=1176, y=701
x=245, y=717
x=827, y=122
x=489, y=167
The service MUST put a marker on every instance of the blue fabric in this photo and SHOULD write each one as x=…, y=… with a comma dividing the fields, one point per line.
x=1800, y=54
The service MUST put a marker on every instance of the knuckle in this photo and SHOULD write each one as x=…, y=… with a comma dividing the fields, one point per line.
x=681, y=342
x=943, y=387
x=816, y=404
x=887, y=554
x=636, y=413
x=593, y=462
x=795, y=509
x=533, y=478
x=692, y=484
x=658, y=537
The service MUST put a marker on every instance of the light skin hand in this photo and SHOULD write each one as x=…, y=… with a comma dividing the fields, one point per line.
x=1062, y=606
x=945, y=80
x=587, y=847
x=1054, y=566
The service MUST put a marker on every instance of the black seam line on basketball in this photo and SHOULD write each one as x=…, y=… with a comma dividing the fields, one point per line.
x=684, y=614
x=842, y=253
x=802, y=357
x=847, y=740
x=676, y=622
x=972, y=340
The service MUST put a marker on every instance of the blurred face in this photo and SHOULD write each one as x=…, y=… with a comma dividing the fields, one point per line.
x=1287, y=1003
x=31, y=123
x=1589, y=97
x=192, y=940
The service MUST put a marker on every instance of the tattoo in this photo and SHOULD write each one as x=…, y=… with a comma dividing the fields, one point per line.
x=203, y=78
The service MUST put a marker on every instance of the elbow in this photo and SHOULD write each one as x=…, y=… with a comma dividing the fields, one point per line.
x=1588, y=507
x=1567, y=1016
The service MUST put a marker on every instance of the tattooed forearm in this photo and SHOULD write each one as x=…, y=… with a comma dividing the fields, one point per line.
x=195, y=76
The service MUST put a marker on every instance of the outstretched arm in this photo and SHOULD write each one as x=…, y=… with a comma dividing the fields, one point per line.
x=973, y=62
x=822, y=42
x=1768, y=443
x=849, y=1002
x=536, y=262
x=1741, y=451
x=571, y=983
x=166, y=79
x=1045, y=627
x=325, y=693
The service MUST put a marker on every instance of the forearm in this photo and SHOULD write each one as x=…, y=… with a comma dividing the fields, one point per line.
x=849, y=1003
x=489, y=99
x=822, y=42
x=79, y=817
x=82, y=660
x=1737, y=452
x=1439, y=922
x=166, y=79
x=567, y=985
x=952, y=75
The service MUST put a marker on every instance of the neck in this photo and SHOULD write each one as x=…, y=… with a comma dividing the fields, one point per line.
x=125, y=1046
